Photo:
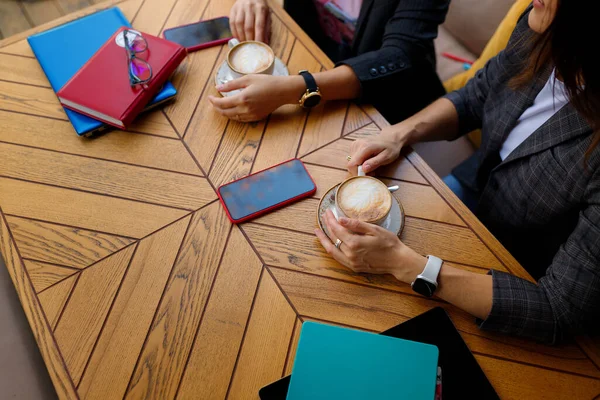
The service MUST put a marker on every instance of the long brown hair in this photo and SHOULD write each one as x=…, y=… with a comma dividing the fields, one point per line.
x=570, y=43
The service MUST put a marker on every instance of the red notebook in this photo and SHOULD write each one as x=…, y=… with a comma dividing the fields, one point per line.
x=101, y=88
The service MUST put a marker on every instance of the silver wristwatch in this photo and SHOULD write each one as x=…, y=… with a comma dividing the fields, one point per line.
x=426, y=283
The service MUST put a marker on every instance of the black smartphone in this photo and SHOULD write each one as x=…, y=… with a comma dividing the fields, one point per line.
x=266, y=190
x=200, y=35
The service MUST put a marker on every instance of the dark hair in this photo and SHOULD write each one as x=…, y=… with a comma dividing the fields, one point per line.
x=570, y=44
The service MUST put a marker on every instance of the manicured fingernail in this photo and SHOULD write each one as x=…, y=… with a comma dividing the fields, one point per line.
x=343, y=220
x=220, y=87
x=366, y=167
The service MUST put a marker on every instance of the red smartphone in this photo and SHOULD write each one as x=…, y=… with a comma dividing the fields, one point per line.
x=266, y=190
x=200, y=35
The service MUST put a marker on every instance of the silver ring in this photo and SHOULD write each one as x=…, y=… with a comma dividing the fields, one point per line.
x=338, y=243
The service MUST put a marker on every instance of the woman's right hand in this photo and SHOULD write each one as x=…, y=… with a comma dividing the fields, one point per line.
x=378, y=151
x=250, y=20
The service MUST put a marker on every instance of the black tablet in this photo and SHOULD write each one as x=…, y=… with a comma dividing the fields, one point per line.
x=462, y=377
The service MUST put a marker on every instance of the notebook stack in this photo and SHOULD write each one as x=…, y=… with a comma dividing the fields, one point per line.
x=92, y=63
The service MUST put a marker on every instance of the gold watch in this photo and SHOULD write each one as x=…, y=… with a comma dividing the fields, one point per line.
x=312, y=97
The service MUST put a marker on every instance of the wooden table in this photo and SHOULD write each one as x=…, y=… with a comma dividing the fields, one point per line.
x=135, y=283
x=20, y=15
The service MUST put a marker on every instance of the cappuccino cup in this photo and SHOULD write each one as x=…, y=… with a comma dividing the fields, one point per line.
x=250, y=57
x=363, y=198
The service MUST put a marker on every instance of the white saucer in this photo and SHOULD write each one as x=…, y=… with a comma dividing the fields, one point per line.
x=224, y=75
x=393, y=223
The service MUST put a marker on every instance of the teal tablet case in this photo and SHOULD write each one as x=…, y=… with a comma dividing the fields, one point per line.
x=339, y=363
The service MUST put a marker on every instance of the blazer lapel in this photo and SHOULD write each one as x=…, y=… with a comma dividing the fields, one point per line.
x=565, y=125
x=511, y=105
x=365, y=9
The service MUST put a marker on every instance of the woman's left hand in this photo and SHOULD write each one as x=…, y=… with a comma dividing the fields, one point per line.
x=368, y=248
x=260, y=95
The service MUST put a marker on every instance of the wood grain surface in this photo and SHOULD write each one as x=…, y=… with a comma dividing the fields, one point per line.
x=135, y=283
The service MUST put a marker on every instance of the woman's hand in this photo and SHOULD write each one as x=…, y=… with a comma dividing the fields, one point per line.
x=368, y=248
x=250, y=20
x=260, y=96
x=378, y=151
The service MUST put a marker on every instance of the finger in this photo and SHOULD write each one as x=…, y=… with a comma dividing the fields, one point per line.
x=363, y=153
x=249, y=26
x=239, y=25
x=375, y=162
x=234, y=113
x=224, y=103
x=337, y=231
x=235, y=84
x=268, y=28
x=330, y=248
x=357, y=226
x=232, y=18
x=260, y=25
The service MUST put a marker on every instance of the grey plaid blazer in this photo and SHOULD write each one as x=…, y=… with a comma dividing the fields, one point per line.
x=541, y=202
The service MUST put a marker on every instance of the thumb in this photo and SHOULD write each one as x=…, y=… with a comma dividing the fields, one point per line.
x=235, y=84
x=356, y=226
x=375, y=162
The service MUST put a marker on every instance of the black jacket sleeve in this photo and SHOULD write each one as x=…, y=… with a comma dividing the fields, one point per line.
x=407, y=46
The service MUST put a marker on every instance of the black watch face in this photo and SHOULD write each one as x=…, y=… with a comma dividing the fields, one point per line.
x=423, y=287
x=312, y=100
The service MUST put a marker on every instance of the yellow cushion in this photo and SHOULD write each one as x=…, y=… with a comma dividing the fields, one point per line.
x=496, y=44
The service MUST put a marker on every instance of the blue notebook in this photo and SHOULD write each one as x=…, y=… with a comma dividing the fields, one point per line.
x=341, y=363
x=63, y=50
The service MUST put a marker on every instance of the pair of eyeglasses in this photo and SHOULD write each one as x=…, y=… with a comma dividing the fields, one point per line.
x=140, y=71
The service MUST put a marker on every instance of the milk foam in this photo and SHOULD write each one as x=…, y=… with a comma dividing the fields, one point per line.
x=250, y=58
x=364, y=199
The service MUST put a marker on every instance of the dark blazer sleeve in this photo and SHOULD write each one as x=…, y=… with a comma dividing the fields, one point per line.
x=566, y=301
x=407, y=42
x=470, y=100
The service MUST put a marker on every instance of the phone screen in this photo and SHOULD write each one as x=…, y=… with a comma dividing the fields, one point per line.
x=199, y=33
x=266, y=189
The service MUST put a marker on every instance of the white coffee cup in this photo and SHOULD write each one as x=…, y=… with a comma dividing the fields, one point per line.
x=364, y=198
x=250, y=57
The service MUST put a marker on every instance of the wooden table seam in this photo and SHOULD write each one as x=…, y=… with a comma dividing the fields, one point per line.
x=105, y=159
x=25, y=84
x=262, y=135
x=408, y=217
x=69, y=226
x=237, y=359
x=138, y=11
x=189, y=123
x=128, y=387
x=481, y=353
x=16, y=55
x=469, y=225
x=171, y=123
x=287, y=356
x=346, y=119
x=535, y=365
x=210, y=291
x=87, y=363
x=264, y=264
x=51, y=263
x=212, y=163
x=306, y=117
x=97, y=193
x=38, y=306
